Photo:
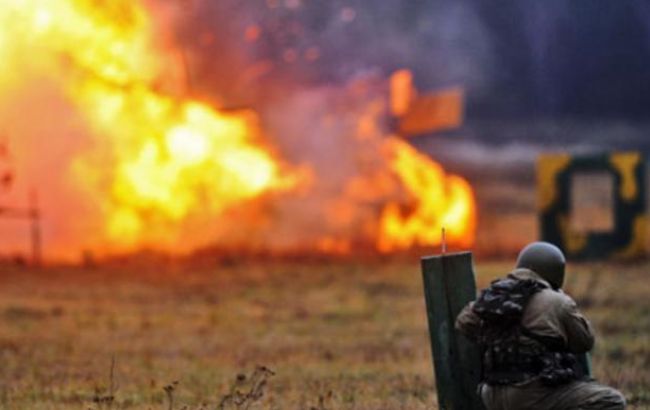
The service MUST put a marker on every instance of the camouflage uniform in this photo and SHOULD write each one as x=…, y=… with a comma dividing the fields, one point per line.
x=549, y=313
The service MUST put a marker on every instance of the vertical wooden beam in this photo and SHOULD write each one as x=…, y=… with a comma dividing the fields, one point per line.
x=35, y=229
x=449, y=285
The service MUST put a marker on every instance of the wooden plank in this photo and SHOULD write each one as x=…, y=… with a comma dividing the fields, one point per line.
x=432, y=112
x=448, y=285
x=439, y=331
x=461, y=289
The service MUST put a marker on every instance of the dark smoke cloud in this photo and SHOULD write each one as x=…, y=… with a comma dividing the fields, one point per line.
x=515, y=57
x=302, y=43
x=558, y=63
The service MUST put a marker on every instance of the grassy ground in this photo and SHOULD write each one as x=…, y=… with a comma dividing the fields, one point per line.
x=337, y=336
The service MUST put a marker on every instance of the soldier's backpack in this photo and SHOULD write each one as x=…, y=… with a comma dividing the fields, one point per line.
x=503, y=303
x=501, y=307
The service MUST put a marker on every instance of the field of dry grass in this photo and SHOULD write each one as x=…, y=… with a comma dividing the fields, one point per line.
x=336, y=336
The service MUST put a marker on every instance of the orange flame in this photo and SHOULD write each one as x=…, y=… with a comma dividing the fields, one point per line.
x=439, y=201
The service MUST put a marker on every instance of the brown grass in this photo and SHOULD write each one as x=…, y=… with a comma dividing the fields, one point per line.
x=337, y=336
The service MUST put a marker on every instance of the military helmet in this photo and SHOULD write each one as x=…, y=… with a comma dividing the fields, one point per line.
x=545, y=259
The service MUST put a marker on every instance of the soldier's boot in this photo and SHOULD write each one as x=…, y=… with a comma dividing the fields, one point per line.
x=598, y=397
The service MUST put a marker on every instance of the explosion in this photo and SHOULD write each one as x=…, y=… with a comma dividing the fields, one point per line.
x=441, y=202
x=160, y=158
x=160, y=169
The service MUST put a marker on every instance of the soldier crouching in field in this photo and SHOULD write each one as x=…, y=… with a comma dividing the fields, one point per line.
x=530, y=333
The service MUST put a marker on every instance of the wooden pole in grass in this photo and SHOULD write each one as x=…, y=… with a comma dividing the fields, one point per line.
x=449, y=285
x=35, y=217
x=33, y=214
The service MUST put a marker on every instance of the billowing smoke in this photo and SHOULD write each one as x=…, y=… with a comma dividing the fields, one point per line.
x=274, y=44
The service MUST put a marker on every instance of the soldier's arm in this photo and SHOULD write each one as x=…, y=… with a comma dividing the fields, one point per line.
x=468, y=323
x=578, y=331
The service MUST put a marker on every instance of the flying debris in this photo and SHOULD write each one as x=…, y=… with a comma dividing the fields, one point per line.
x=424, y=114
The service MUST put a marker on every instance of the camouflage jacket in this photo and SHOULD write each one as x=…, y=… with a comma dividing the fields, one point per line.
x=549, y=313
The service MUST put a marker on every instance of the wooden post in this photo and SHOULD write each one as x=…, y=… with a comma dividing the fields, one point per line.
x=448, y=286
x=35, y=216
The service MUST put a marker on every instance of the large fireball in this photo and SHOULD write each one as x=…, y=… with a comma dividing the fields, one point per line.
x=150, y=166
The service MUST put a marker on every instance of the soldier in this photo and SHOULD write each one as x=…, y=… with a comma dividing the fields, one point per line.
x=530, y=332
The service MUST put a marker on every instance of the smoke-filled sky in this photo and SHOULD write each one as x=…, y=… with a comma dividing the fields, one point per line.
x=555, y=75
x=516, y=58
x=558, y=74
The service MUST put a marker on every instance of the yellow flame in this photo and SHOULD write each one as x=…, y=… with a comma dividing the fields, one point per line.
x=158, y=158
x=437, y=200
